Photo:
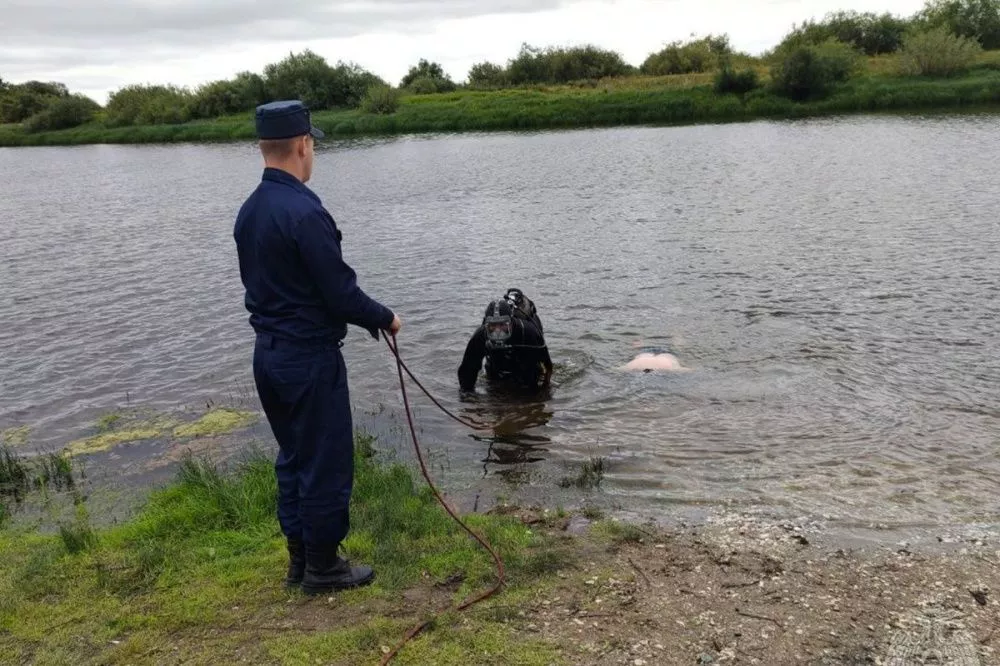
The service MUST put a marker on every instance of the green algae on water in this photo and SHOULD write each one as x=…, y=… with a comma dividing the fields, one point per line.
x=221, y=421
x=15, y=437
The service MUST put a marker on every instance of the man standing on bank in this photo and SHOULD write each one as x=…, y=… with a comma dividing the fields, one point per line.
x=301, y=296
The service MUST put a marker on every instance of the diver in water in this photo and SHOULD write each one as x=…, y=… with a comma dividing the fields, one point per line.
x=512, y=342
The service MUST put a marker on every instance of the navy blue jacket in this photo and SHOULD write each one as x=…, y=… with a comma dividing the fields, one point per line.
x=298, y=286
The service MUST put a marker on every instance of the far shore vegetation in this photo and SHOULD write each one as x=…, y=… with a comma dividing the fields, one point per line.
x=943, y=57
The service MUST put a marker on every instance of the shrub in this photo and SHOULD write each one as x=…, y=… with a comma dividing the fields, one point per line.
x=562, y=65
x=868, y=32
x=976, y=19
x=809, y=72
x=380, y=99
x=64, y=113
x=221, y=98
x=305, y=76
x=427, y=77
x=20, y=102
x=351, y=83
x=148, y=105
x=426, y=85
x=937, y=52
x=486, y=75
x=740, y=83
x=678, y=57
x=308, y=77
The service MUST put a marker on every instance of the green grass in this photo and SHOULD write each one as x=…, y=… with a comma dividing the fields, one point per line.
x=20, y=475
x=449, y=645
x=198, y=572
x=617, y=533
x=639, y=100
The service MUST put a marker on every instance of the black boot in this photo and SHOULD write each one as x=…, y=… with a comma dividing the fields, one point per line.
x=328, y=572
x=296, y=563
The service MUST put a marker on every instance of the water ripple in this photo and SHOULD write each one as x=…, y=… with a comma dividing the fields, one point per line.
x=838, y=319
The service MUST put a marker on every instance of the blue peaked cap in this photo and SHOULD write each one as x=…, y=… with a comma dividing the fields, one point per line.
x=285, y=119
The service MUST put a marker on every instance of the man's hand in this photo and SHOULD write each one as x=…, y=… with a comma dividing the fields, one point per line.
x=395, y=325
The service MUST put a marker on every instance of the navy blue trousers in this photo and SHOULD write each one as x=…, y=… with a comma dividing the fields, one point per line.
x=303, y=390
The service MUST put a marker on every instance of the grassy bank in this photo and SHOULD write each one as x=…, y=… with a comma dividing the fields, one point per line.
x=196, y=576
x=684, y=99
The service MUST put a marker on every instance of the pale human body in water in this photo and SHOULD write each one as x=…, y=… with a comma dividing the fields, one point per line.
x=654, y=359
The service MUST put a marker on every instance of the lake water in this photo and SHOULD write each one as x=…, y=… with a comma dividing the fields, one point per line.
x=833, y=286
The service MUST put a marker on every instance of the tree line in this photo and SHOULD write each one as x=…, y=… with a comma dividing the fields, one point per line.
x=940, y=39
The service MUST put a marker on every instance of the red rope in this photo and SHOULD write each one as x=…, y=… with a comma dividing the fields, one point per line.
x=412, y=633
x=466, y=423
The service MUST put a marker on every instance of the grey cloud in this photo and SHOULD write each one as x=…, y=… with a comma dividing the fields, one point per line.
x=55, y=58
x=45, y=38
x=70, y=23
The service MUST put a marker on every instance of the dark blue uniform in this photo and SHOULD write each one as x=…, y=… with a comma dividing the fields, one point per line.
x=301, y=295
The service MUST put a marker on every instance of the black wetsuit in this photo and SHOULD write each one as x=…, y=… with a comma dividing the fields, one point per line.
x=523, y=360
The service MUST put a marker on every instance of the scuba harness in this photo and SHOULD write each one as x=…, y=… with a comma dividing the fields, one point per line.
x=502, y=347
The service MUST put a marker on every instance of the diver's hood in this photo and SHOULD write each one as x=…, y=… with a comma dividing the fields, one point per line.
x=499, y=323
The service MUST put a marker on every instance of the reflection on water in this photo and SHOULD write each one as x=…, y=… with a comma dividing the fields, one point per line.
x=511, y=443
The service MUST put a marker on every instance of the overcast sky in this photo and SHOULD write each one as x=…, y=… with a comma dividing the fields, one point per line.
x=95, y=47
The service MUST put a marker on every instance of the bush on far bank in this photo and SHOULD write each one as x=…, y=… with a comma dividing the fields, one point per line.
x=937, y=52
x=812, y=71
x=67, y=112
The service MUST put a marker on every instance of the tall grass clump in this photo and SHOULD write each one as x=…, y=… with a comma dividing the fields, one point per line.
x=54, y=471
x=19, y=476
x=590, y=475
x=14, y=474
x=937, y=52
x=13, y=481
x=228, y=502
x=206, y=518
x=78, y=536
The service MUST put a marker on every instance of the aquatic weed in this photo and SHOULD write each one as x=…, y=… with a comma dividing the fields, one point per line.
x=590, y=475
x=55, y=470
x=14, y=474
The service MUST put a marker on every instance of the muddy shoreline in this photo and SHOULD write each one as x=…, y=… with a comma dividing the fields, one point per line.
x=744, y=590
